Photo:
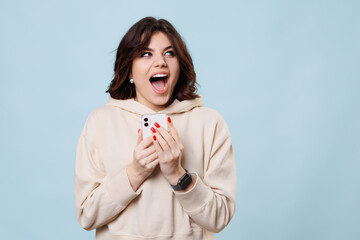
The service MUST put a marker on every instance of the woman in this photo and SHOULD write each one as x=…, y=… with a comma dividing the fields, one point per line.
x=175, y=184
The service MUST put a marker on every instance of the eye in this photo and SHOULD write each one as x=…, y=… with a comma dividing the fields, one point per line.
x=146, y=54
x=170, y=53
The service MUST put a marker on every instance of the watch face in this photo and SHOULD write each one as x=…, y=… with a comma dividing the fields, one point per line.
x=183, y=182
x=186, y=182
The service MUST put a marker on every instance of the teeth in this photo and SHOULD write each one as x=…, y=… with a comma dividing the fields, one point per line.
x=159, y=75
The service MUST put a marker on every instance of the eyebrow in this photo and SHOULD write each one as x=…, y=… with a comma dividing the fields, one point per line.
x=151, y=50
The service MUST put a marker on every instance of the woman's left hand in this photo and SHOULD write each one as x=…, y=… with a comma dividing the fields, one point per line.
x=169, y=149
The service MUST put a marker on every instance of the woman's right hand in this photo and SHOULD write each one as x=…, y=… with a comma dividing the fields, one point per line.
x=145, y=160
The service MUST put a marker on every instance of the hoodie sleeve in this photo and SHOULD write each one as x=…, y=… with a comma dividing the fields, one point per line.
x=98, y=198
x=211, y=201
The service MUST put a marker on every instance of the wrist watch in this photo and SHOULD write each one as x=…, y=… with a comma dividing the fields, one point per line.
x=183, y=182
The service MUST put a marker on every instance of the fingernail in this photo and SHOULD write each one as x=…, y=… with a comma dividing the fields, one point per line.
x=169, y=119
x=153, y=130
x=154, y=137
x=138, y=130
x=156, y=125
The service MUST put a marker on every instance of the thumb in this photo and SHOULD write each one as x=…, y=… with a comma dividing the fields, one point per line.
x=140, y=138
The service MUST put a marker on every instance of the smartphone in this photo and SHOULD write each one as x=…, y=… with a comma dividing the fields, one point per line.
x=148, y=120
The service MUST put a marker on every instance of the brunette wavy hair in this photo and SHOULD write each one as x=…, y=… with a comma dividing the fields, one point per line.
x=134, y=43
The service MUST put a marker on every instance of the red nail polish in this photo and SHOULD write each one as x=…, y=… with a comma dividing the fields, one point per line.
x=156, y=125
x=153, y=130
x=169, y=119
x=154, y=137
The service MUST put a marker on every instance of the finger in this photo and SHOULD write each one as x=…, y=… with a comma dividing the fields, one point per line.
x=147, y=152
x=145, y=143
x=149, y=158
x=173, y=132
x=139, y=136
x=157, y=146
x=162, y=142
x=170, y=142
x=153, y=164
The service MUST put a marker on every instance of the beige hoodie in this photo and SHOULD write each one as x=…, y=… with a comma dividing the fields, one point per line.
x=105, y=200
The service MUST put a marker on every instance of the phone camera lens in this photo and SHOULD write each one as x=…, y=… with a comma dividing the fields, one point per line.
x=146, y=124
x=146, y=119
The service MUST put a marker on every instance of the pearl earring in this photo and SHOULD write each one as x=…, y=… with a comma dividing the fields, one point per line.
x=131, y=80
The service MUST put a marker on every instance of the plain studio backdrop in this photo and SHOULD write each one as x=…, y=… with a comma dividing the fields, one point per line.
x=284, y=75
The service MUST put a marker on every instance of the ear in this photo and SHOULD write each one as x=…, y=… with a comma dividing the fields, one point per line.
x=130, y=75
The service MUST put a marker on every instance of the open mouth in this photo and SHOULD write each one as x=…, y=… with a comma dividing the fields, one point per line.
x=159, y=82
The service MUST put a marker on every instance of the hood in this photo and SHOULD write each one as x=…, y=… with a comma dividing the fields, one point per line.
x=175, y=107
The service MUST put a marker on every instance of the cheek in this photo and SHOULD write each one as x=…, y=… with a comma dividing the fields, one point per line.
x=138, y=69
x=177, y=73
x=175, y=67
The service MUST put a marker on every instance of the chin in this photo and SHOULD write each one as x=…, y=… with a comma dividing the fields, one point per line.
x=161, y=100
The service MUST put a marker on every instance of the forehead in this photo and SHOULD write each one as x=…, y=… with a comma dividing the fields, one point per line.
x=159, y=40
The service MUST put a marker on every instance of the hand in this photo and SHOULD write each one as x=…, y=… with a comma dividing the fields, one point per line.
x=144, y=162
x=169, y=149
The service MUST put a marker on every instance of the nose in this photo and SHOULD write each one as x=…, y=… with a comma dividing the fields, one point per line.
x=160, y=61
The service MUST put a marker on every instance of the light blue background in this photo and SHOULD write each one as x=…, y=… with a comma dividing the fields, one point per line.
x=284, y=75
